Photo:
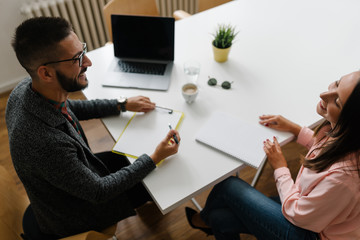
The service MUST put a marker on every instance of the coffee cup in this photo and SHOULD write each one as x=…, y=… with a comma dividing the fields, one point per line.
x=189, y=92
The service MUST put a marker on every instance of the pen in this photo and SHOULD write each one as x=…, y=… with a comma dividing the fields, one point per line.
x=174, y=136
x=168, y=109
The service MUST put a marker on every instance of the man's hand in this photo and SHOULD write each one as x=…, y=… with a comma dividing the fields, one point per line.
x=166, y=147
x=139, y=104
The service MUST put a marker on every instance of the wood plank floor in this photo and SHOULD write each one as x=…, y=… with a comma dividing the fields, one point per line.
x=150, y=224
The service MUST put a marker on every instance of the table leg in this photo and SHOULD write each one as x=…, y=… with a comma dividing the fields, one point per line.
x=197, y=205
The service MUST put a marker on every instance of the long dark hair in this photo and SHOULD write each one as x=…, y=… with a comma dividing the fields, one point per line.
x=345, y=135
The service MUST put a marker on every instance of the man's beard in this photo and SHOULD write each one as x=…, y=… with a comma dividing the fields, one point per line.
x=71, y=85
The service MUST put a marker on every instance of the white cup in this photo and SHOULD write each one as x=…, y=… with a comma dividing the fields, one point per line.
x=189, y=92
x=192, y=70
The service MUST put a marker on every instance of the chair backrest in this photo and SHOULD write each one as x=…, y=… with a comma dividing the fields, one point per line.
x=207, y=4
x=129, y=7
x=202, y=6
x=12, y=206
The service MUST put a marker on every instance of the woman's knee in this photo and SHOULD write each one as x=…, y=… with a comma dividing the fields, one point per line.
x=232, y=184
x=223, y=219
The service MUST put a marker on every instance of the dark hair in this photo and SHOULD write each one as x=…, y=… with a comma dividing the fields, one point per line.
x=345, y=133
x=36, y=40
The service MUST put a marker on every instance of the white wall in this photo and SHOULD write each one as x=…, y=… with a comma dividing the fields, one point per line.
x=10, y=70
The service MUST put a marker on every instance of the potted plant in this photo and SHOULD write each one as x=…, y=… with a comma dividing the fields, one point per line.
x=223, y=38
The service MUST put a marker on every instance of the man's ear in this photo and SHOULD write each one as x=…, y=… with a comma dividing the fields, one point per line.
x=45, y=73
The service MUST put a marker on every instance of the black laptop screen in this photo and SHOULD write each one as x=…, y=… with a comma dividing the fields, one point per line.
x=143, y=37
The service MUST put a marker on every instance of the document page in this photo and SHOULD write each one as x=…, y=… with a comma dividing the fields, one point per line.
x=235, y=137
x=145, y=131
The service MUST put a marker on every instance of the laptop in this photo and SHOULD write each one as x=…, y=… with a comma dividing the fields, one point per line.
x=143, y=52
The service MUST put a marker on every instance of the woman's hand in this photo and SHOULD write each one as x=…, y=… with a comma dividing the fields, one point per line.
x=280, y=123
x=139, y=104
x=166, y=147
x=274, y=154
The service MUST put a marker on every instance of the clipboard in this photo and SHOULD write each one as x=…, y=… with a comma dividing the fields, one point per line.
x=144, y=131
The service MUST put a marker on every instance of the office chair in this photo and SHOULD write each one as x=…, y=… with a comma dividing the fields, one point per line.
x=129, y=7
x=31, y=227
x=202, y=6
x=13, y=204
x=32, y=230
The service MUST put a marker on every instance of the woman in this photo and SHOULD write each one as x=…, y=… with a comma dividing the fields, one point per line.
x=323, y=202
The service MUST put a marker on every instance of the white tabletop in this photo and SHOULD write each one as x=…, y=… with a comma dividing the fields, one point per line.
x=285, y=55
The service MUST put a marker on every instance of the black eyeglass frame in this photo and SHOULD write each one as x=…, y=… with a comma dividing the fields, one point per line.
x=80, y=58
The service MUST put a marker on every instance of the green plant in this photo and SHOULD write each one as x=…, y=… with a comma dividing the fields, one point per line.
x=224, y=36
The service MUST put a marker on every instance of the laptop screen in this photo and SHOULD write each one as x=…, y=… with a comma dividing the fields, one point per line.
x=143, y=37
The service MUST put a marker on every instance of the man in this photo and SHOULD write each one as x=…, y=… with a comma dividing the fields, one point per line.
x=71, y=189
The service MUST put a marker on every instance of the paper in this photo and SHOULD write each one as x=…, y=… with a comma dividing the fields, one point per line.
x=145, y=131
x=235, y=137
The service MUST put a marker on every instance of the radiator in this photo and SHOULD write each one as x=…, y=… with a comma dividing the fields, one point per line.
x=87, y=18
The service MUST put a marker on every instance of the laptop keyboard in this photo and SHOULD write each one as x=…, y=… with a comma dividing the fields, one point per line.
x=144, y=68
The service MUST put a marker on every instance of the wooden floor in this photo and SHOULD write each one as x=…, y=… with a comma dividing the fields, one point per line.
x=150, y=224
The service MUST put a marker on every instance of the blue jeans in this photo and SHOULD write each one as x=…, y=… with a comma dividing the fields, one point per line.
x=234, y=207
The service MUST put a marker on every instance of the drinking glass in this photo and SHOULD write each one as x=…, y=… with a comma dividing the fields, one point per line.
x=192, y=70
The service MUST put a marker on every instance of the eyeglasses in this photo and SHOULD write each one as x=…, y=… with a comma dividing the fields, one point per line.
x=224, y=85
x=80, y=57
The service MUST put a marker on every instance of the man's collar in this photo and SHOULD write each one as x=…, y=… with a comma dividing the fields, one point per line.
x=57, y=105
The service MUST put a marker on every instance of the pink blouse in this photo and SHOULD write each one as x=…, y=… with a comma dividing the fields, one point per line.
x=327, y=202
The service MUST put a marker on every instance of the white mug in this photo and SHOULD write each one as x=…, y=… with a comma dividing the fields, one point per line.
x=189, y=92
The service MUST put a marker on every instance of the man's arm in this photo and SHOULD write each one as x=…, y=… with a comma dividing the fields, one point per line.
x=89, y=109
x=84, y=109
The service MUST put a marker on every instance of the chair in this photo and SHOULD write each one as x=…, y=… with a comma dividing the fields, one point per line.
x=129, y=7
x=12, y=207
x=207, y=4
x=202, y=6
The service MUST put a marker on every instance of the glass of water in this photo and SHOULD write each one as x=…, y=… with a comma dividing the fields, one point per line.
x=192, y=70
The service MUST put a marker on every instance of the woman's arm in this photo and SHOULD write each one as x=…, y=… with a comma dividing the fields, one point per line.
x=280, y=123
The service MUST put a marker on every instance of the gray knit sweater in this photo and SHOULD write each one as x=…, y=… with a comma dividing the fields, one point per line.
x=70, y=189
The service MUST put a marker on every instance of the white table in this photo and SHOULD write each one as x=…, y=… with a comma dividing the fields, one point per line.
x=285, y=55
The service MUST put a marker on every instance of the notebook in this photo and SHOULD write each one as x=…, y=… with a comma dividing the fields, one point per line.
x=145, y=131
x=235, y=137
x=143, y=52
